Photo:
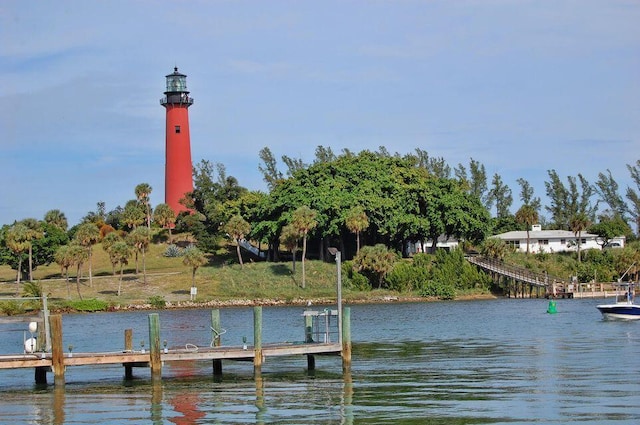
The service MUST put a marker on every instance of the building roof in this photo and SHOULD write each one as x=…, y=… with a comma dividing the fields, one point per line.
x=543, y=234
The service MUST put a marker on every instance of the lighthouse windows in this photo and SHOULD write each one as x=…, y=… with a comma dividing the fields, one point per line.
x=177, y=129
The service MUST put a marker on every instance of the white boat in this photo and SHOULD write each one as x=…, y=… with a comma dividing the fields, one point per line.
x=624, y=307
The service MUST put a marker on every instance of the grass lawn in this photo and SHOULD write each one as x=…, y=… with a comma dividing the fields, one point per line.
x=222, y=280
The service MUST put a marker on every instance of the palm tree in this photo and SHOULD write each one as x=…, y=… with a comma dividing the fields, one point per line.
x=577, y=224
x=289, y=237
x=143, y=190
x=165, y=217
x=193, y=258
x=139, y=239
x=132, y=215
x=34, y=232
x=87, y=235
x=356, y=222
x=528, y=216
x=78, y=255
x=304, y=220
x=237, y=227
x=56, y=218
x=107, y=243
x=17, y=240
x=120, y=252
x=64, y=258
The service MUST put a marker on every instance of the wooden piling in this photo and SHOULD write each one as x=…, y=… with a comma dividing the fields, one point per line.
x=41, y=374
x=346, y=338
x=308, y=337
x=216, y=330
x=257, y=338
x=154, y=345
x=57, y=352
x=128, y=347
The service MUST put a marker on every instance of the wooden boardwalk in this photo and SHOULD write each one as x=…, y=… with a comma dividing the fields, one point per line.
x=56, y=360
x=143, y=358
x=521, y=276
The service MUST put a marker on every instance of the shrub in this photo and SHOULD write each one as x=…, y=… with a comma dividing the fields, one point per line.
x=89, y=305
x=438, y=289
x=11, y=308
x=157, y=301
x=32, y=289
x=173, y=251
x=352, y=279
x=407, y=277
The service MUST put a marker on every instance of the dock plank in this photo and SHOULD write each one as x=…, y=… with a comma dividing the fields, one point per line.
x=206, y=353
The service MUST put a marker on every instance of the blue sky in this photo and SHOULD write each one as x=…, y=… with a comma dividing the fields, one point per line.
x=521, y=86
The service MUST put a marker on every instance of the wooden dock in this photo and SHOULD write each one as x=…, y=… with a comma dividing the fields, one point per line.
x=317, y=342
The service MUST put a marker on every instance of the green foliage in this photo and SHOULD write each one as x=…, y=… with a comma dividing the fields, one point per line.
x=494, y=248
x=88, y=305
x=438, y=289
x=406, y=277
x=609, y=228
x=157, y=301
x=11, y=307
x=351, y=279
x=32, y=289
x=451, y=268
x=375, y=262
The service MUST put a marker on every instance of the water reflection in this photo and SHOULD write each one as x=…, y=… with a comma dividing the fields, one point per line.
x=501, y=362
x=346, y=406
x=260, y=404
x=156, y=402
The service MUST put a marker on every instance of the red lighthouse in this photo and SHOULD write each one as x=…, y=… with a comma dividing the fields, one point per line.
x=178, y=170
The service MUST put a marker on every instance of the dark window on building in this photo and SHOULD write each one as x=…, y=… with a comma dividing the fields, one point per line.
x=177, y=129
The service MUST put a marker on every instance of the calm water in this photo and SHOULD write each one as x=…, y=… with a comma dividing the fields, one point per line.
x=476, y=362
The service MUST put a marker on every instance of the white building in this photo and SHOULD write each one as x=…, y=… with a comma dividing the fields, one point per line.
x=554, y=240
x=426, y=246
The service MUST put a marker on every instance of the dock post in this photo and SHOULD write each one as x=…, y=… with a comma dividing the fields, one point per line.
x=308, y=337
x=57, y=352
x=346, y=339
x=128, y=347
x=154, y=346
x=41, y=375
x=216, y=331
x=257, y=339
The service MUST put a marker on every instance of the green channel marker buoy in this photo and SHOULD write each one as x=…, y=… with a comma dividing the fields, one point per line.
x=552, y=307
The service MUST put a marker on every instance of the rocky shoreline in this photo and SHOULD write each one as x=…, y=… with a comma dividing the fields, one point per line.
x=386, y=299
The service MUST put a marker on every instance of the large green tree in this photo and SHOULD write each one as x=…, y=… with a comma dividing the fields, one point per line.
x=500, y=194
x=527, y=195
x=633, y=194
x=402, y=201
x=570, y=200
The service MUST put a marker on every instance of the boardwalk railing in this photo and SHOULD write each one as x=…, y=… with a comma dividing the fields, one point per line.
x=518, y=273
